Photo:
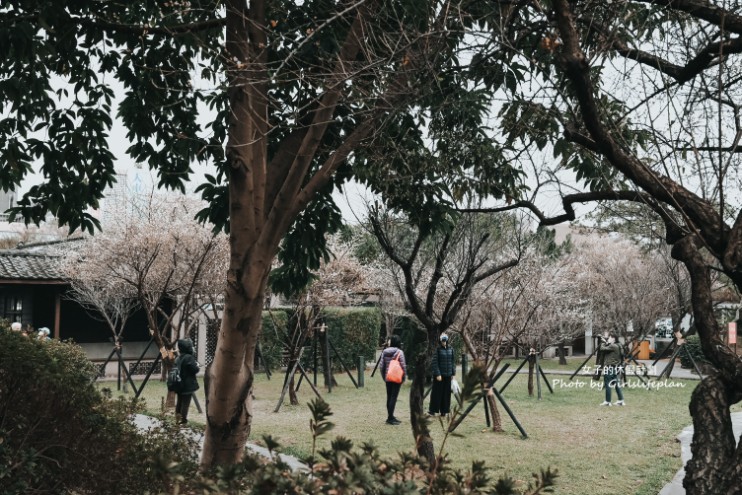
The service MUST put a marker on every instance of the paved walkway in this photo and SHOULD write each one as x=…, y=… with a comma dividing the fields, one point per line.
x=675, y=487
x=145, y=423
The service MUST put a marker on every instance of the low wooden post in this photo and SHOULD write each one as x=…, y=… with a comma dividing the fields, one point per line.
x=361, y=371
x=538, y=378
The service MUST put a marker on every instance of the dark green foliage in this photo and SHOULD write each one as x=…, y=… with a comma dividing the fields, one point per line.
x=692, y=347
x=345, y=468
x=272, y=336
x=59, y=435
x=414, y=340
x=354, y=332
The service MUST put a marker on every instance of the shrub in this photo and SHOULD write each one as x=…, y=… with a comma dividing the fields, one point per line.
x=345, y=468
x=692, y=346
x=354, y=332
x=415, y=340
x=59, y=435
x=272, y=336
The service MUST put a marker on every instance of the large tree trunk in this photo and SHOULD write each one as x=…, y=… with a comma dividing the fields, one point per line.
x=713, y=440
x=423, y=440
x=716, y=465
x=229, y=381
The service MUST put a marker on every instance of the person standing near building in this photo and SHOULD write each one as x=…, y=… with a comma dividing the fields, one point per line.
x=189, y=384
x=612, y=368
x=443, y=369
x=392, y=352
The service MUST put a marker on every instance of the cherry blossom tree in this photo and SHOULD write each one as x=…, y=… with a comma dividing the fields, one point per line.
x=154, y=253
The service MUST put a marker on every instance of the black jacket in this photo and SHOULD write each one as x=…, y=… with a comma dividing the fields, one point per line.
x=443, y=362
x=188, y=366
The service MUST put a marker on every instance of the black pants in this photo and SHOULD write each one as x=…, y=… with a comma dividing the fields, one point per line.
x=392, y=392
x=440, y=397
x=182, y=403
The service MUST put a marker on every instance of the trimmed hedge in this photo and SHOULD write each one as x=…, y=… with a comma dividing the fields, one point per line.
x=354, y=332
x=272, y=336
x=415, y=340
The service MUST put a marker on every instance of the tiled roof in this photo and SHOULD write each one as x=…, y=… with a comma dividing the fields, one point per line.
x=15, y=265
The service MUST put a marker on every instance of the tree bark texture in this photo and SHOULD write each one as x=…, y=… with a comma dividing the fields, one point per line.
x=531, y=367
x=423, y=440
x=562, y=353
x=701, y=238
x=494, y=411
x=713, y=444
x=229, y=398
x=265, y=198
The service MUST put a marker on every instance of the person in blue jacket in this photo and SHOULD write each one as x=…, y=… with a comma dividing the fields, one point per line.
x=443, y=369
x=188, y=370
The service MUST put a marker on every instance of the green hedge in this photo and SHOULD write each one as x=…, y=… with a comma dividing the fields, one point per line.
x=354, y=332
x=415, y=340
x=272, y=336
x=693, y=346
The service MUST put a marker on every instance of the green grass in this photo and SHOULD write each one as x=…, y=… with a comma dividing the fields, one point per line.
x=597, y=450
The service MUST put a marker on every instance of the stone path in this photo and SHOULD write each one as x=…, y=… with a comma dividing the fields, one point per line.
x=145, y=423
x=675, y=487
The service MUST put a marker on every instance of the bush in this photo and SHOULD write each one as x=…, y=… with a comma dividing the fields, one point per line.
x=59, y=435
x=692, y=346
x=272, y=336
x=415, y=340
x=354, y=332
x=345, y=468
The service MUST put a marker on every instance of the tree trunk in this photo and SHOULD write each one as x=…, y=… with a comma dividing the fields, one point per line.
x=713, y=448
x=531, y=367
x=423, y=440
x=229, y=401
x=562, y=351
x=494, y=411
x=716, y=465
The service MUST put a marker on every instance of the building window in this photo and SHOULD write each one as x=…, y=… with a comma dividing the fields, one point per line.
x=13, y=308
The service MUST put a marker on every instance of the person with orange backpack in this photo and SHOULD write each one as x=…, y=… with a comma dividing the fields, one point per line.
x=394, y=372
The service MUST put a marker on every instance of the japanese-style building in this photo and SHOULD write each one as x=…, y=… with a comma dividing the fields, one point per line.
x=34, y=292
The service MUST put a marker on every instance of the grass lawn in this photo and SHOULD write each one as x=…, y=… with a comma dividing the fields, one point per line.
x=597, y=450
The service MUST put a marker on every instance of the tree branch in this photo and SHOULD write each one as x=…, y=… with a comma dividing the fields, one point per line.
x=575, y=65
x=701, y=9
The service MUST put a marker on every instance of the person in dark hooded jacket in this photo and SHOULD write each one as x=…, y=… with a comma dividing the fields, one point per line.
x=443, y=369
x=392, y=389
x=188, y=371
